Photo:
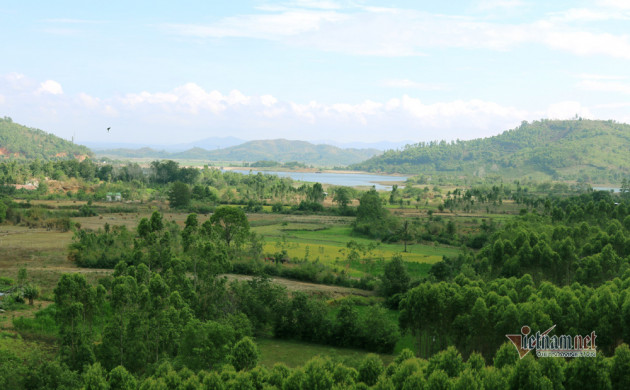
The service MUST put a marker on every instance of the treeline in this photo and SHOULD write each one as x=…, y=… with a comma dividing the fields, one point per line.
x=474, y=315
x=584, y=239
x=196, y=189
x=445, y=370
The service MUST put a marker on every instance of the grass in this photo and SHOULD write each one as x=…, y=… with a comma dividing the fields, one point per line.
x=327, y=244
x=297, y=353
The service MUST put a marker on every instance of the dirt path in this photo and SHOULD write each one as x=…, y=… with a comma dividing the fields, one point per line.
x=311, y=288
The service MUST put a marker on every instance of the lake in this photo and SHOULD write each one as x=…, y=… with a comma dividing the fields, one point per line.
x=337, y=179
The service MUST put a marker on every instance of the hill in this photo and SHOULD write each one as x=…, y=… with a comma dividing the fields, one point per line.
x=21, y=142
x=593, y=151
x=279, y=150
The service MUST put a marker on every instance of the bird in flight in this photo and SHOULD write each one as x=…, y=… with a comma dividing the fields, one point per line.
x=108, y=129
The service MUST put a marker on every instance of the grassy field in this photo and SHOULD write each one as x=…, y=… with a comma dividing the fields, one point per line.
x=327, y=244
x=296, y=353
x=44, y=255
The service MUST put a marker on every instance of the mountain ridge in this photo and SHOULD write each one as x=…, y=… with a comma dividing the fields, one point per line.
x=575, y=150
x=22, y=142
x=280, y=150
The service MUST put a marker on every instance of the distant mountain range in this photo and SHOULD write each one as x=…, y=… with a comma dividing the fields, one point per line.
x=210, y=143
x=213, y=143
x=280, y=150
x=593, y=151
x=21, y=142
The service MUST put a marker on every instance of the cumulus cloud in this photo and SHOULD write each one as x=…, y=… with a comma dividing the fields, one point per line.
x=193, y=112
x=50, y=86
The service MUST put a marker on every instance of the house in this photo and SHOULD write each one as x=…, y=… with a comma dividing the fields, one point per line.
x=113, y=197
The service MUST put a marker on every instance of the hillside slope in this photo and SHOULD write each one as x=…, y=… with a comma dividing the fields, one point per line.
x=280, y=150
x=21, y=142
x=589, y=150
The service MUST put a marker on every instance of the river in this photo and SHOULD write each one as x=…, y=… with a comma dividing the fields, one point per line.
x=337, y=179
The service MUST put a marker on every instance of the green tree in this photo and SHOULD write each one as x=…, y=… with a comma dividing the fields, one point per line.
x=620, y=370
x=370, y=369
x=341, y=197
x=94, y=378
x=245, y=354
x=395, y=279
x=316, y=193
x=120, y=379
x=30, y=292
x=231, y=225
x=179, y=195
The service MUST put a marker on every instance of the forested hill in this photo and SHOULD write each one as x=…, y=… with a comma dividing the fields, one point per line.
x=591, y=150
x=21, y=142
x=280, y=150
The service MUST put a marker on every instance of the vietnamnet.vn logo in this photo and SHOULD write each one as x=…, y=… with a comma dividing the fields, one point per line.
x=553, y=346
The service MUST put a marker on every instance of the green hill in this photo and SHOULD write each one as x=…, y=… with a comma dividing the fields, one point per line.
x=21, y=142
x=588, y=150
x=279, y=150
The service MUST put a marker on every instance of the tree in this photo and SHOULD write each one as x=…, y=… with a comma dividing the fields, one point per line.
x=371, y=216
x=31, y=292
x=94, y=378
x=245, y=354
x=370, y=369
x=179, y=195
x=395, y=279
x=231, y=225
x=342, y=197
x=121, y=379
x=620, y=370
x=405, y=234
x=316, y=193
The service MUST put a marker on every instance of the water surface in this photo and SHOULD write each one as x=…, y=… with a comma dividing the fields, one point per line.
x=333, y=178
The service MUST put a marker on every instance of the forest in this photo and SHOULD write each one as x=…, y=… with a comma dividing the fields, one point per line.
x=591, y=151
x=187, y=282
x=25, y=143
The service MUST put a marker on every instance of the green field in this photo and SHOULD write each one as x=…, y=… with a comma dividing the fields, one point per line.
x=296, y=353
x=327, y=244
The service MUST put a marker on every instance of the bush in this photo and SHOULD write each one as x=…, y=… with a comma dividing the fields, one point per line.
x=245, y=354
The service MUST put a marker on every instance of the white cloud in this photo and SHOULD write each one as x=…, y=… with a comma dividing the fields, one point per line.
x=588, y=15
x=193, y=112
x=567, y=110
x=2, y=99
x=267, y=26
x=401, y=32
x=88, y=101
x=50, y=86
x=268, y=100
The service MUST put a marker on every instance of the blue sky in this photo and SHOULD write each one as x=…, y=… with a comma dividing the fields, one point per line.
x=164, y=72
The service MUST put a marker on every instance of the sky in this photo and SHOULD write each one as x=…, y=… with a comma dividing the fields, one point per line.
x=166, y=72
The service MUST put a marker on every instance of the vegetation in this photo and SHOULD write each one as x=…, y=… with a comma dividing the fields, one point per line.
x=150, y=293
x=289, y=154
x=25, y=143
x=586, y=150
